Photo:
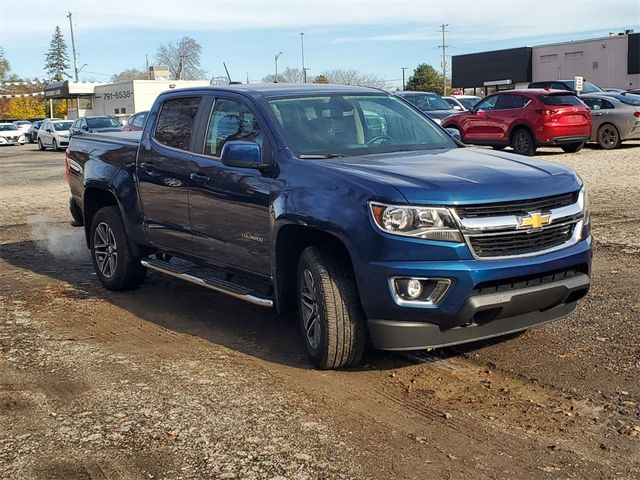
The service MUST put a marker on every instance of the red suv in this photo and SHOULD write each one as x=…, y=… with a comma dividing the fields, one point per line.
x=525, y=120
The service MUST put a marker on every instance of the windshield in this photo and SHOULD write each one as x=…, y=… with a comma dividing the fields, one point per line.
x=102, y=122
x=628, y=98
x=7, y=127
x=469, y=101
x=428, y=101
x=61, y=126
x=355, y=125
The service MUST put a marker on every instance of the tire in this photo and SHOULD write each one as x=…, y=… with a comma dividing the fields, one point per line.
x=608, y=137
x=331, y=317
x=41, y=146
x=116, y=267
x=523, y=143
x=572, y=147
x=54, y=145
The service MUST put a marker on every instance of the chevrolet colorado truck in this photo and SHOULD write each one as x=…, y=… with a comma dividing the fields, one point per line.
x=345, y=204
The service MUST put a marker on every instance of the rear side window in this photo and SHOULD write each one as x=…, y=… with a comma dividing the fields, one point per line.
x=138, y=120
x=175, y=122
x=561, y=100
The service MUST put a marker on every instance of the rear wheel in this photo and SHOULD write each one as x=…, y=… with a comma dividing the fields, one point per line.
x=572, y=147
x=116, y=267
x=331, y=318
x=608, y=137
x=523, y=142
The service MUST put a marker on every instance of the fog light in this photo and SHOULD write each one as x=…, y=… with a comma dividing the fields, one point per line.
x=418, y=291
x=414, y=288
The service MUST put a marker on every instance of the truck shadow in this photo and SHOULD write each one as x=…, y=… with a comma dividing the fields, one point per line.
x=189, y=309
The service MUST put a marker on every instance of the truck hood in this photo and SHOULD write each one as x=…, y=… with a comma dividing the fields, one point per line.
x=461, y=175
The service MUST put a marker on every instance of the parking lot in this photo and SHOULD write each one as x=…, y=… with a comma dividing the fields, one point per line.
x=174, y=381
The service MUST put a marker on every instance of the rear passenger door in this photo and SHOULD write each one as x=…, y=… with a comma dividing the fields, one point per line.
x=230, y=216
x=162, y=169
x=509, y=110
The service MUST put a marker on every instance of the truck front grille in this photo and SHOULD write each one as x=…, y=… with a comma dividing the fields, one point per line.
x=518, y=207
x=521, y=242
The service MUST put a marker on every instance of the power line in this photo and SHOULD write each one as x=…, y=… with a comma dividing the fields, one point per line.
x=443, y=62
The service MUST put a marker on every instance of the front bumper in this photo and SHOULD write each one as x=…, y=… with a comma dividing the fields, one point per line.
x=486, y=316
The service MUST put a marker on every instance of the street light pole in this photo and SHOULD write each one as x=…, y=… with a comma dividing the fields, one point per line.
x=403, y=84
x=73, y=48
x=276, y=77
x=304, y=70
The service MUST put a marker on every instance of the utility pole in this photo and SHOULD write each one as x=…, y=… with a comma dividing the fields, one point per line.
x=275, y=80
x=304, y=70
x=403, y=84
x=146, y=63
x=73, y=48
x=444, y=47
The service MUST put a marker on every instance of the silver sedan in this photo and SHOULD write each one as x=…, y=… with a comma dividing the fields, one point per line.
x=54, y=134
x=614, y=117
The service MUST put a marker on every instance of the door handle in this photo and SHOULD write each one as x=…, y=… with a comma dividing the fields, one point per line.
x=198, y=177
x=598, y=114
x=148, y=166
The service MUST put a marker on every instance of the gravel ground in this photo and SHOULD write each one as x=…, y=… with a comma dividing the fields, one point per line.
x=172, y=381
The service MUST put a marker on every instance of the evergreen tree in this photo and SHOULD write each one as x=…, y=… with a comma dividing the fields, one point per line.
x=425, y=79
x=57, y=58
x=4, y=65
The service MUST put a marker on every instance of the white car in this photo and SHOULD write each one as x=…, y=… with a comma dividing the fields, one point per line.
x=23, y=126
x=10, y=135
x=54, y=134
x=462, y=102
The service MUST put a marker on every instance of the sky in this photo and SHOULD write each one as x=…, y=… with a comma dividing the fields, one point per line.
x=376, y=37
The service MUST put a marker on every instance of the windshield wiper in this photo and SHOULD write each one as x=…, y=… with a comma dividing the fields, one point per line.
x=317, y=156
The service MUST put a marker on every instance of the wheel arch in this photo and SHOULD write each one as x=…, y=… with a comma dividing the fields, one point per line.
x=290, y=241
x=519, y=126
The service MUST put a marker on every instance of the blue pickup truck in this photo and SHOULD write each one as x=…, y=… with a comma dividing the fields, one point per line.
x=345, y=204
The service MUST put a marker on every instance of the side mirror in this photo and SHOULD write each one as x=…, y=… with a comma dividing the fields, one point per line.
x=241, y=154
x=84, y=127
x=49, y=130
x=455, y=133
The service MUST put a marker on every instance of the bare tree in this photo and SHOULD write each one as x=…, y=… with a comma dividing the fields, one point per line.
x=128, y=75
x=351, y=76
x=183, y=59
x=288, y=75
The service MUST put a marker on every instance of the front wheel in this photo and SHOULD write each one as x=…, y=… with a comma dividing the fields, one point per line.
x=523, y=142
x=40, y=145
x=115, y=265
x=331, y=317
x=608, y=137
x=54, y=145
x=572, y=147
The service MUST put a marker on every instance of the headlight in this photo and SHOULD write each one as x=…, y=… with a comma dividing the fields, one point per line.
x=433, y=223
x=585, y=205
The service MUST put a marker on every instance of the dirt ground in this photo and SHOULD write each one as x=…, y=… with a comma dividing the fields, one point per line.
x=176, y=382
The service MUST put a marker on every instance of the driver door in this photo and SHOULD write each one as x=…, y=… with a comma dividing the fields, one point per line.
x=480, y=125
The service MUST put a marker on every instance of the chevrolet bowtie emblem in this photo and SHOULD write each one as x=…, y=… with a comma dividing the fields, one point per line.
x=534, y=220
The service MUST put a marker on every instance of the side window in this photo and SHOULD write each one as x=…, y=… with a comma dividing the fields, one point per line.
x=606, y=104
x=175, y=122
x=83, y=123
x=592, y=103
x=231, y=120
x=488, y=103
x=508, y=101
x=138, y=120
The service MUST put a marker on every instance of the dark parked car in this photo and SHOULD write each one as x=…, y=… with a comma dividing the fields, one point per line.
x=524, y=120
x=135, y=122
x=96, y=124
x=32, y=133
x=614, y=118
x=430, y=103
x=587, y=87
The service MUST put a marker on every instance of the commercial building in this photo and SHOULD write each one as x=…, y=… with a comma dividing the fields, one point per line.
x=119, y=99
x=612, y=61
